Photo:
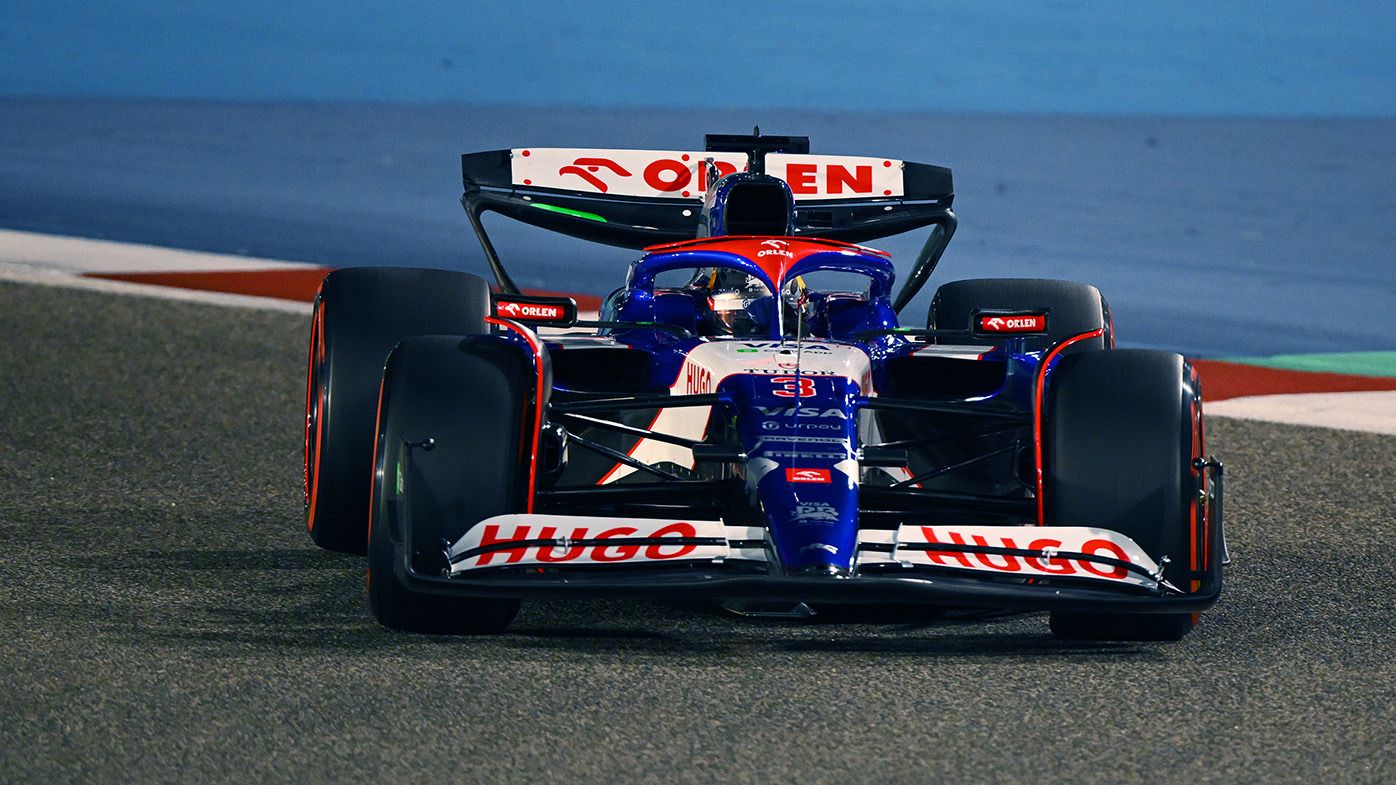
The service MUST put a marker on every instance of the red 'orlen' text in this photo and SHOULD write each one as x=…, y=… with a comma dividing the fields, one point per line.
x=668, y=175
x=1015, y=323
x=530, y=311
x=803, y=179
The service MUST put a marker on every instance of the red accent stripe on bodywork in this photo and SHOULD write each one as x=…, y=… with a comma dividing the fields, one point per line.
x=1037, y=408
x=537, y=347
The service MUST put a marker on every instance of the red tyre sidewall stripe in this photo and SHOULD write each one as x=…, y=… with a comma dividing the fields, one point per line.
x=1038, y=399
x=537, y=346
x=309, y=392
x=318, y=361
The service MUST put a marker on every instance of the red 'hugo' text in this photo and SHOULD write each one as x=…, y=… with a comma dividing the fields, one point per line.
x=598, y=552
x=698, y=380
x=1054, y=565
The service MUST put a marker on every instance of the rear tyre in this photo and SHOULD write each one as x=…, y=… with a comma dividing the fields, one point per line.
x=1073, y=308
x=1122, y=431
x=454, y=437
x=360, y=315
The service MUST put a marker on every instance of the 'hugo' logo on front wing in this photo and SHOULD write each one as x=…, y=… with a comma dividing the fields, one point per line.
x=1055, y=565
x=594, y=553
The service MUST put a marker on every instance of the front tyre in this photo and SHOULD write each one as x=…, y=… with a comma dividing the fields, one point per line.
x=1122, y=432
x=455, y=427
x=360, y=315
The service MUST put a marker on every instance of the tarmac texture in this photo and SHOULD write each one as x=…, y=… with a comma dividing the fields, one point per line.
x=165, y=618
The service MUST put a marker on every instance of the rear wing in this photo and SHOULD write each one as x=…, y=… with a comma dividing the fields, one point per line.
x=638, y=198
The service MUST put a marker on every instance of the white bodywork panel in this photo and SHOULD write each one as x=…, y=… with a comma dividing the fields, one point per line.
x=1049, y=540
x=709, y=363
x=564, y=530
x=678, y=174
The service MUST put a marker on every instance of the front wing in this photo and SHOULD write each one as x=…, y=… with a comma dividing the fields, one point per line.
x=1028, y=567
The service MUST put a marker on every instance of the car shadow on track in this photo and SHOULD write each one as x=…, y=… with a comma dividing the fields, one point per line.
x=221, y=600
x=307, y=600
x=591, y=629
x=247, y=559
x=702, y=647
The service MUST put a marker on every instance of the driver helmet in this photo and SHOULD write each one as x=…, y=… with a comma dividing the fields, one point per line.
x=738, y=304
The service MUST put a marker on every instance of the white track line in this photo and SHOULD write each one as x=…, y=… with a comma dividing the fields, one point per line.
x=50, y=260
x=1374, y=412
x=77, y=255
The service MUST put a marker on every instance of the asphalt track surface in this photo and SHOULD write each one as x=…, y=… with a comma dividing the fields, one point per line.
x=165, y=619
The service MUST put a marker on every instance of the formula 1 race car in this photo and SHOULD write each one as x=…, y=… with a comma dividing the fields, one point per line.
x=747, y=420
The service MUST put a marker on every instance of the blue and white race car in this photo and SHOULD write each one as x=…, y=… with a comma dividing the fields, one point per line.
x=748, y=419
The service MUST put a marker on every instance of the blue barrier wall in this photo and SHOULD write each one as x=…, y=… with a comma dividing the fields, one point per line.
x=1088, y=56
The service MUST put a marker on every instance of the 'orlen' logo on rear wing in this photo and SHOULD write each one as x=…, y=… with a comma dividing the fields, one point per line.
x=675, y=174
x=552, y=311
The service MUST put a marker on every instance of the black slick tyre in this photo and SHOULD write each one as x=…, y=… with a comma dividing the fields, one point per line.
x=1122, y=430
x=1072, y=308
x=454, y=442
x=360, y=314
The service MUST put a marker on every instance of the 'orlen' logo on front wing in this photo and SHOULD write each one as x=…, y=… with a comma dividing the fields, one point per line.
x=808, y=475
x=537, y=312
x=1013, y=323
